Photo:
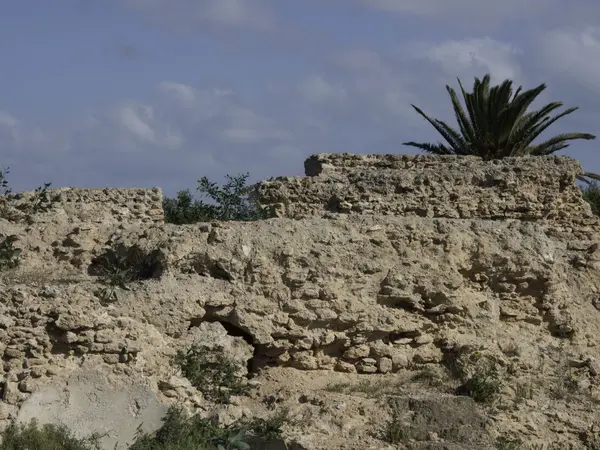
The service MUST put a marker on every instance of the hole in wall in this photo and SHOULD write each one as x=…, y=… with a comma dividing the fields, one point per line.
x=257, y=361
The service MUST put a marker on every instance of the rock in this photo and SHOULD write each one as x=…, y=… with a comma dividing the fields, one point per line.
x=342, y=366
x=385, y=365
x=361, y=351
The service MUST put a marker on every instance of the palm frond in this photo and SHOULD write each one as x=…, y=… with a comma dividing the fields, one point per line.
x=442, y=129
x=436, y=149
x=462, y=119
x=550, y=146
x=538, y=129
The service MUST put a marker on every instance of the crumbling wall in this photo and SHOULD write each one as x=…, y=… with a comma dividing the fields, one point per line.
x=453, y=187
x=98, y=206
x=420, y=275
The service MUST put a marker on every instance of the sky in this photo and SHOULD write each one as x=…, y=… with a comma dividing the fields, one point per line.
x=144, y=93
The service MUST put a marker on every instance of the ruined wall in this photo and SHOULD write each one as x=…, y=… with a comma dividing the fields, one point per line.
x=535, y=188
x=416, y=278
x=101, y=205
x=532, y=188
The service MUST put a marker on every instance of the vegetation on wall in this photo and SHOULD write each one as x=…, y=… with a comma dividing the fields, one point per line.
x=233, y=201
x=497, y=125
x=591, y=194
x=40, y=201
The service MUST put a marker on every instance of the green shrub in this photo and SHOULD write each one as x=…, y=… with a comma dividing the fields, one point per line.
x=395, y=430
x=39, y=202
x=270, y=428
x=591, y=194
x=9, y=255
x=4, y=188
x=233, y=201
x=47, y=437
x=179, y=432
x=120, y=265
x=482, y=386
x=211, y=373
x=508, y=443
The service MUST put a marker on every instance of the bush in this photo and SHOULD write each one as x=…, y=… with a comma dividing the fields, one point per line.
x=39, y=202
x=233, y=201
x=120, y=265
x=9, y=255
x=270, y=428
x=395, y=430
x=214, y=375
x=178, y=432
x=47, y=437
x=591, y=194
x=482, y=386
x=5, y=190
x=190, y=433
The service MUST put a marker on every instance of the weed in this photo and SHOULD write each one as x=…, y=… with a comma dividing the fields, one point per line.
x=567, y=385
x=523, y=391
x=270, y=429
x=5, y=189
x=179, y=432
x=341, y=387
x=9, y=255
x=213, y=374
x=40, y=201
x=482, y=386
x=47, y=437
x=395, y=431
x=121, y=265
x=506, y=443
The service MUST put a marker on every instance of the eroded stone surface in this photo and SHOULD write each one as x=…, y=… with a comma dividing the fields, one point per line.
x=348, y=297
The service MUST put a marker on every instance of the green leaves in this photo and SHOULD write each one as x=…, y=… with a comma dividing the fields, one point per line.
x=496, y=123
x=9, y=255
x=212, y=373
x=235, y=442
x=233, y=201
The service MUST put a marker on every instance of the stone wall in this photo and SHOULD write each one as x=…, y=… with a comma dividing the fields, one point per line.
x=306, y=306
x=102, y=205
x=530, y=188
x=430, y=186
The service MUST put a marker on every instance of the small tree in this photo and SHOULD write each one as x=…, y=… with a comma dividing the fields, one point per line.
x=233, y=201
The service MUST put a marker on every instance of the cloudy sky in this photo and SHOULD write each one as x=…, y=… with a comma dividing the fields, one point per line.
x=142, y=93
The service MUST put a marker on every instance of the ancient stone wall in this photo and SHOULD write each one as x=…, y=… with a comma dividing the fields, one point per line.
x=532, y=188
x=536, y=188
x=98, y=294
x=102, y=205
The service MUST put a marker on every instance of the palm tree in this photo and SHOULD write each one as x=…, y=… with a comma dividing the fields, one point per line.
x=498, y=125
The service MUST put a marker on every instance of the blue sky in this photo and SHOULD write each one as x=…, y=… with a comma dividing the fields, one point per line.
x=142, y=93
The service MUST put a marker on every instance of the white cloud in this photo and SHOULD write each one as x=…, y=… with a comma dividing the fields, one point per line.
x=475, y=56
x=185, y=96
x=8, y=121
x=195, y=14
x=574, y=55
x=178, y=130
x=136, y=123
x=317, y=90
